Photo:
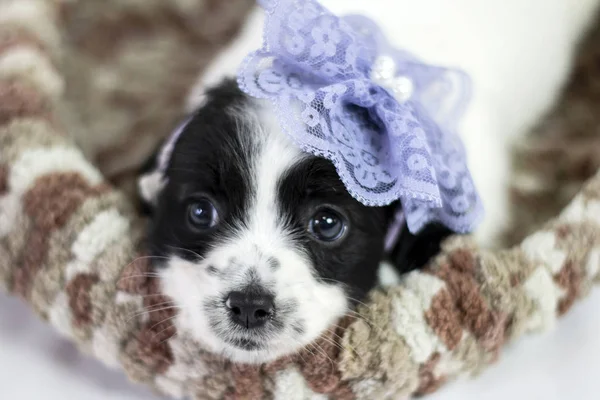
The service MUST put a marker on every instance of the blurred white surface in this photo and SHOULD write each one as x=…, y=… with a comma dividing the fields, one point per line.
x=36, y=364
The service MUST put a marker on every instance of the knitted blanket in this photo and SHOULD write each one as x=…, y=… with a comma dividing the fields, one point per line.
x=70, y=243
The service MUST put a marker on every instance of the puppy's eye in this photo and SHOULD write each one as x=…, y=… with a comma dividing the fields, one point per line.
x=327, y=225
x=202, y=214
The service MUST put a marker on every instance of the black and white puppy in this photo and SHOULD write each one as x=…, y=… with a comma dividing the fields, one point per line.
x=259, y=244
x=263, y=247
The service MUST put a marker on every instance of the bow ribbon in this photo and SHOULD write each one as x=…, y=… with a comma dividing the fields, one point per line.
x=386, y=120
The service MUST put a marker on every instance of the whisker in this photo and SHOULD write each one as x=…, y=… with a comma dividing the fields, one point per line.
x=143, y=258
x=162, y=330
x=148, y=275
x=141, y=275
x=350, y=311
x=188, y=250
x=169, y=338
x=339, y=344
x=147, y=296
x=151, y=311
x=332, y=331
x=353, y=349
x=299, y=353
x=368, y=321
x=320, y=349
x=332, y=342
x=163, y=309
x=341, y=347
x=154, y=306
x=354, y=299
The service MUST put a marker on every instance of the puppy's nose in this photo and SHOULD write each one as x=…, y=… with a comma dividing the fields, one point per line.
x=250, y=309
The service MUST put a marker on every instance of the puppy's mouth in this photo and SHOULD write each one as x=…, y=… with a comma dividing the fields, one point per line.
x=247, y=344
x=246, y=320
x=244, y=339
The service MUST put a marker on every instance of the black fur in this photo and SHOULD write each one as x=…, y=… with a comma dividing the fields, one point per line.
x=414, y=251
x=208, y=159
x=353, y=260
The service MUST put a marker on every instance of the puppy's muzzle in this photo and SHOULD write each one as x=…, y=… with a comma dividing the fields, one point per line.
x=250, y=308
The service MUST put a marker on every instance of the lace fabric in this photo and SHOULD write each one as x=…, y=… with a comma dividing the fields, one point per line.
x=386, y=120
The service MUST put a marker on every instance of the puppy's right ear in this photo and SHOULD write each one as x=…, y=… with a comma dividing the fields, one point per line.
x=153, y=178
x=150, y=182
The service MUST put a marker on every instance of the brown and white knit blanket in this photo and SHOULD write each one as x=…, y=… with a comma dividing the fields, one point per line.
x=70, y=243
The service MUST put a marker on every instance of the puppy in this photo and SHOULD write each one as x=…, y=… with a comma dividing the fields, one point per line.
x=259, y=244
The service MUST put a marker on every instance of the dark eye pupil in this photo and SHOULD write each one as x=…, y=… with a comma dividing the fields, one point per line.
x=327, y=226
x=202, y=214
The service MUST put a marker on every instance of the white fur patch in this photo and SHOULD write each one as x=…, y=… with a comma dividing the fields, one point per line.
x=388, y=275
x=150, y=185
x=35, y=163
x=187, y=283
x=107, y=227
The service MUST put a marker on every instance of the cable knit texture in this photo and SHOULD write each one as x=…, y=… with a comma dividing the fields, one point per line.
x=70, y=243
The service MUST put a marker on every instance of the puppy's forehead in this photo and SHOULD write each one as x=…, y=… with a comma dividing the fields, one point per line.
x=218, y=135
x=234, y=149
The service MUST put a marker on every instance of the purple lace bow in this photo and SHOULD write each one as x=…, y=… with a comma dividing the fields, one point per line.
x=386, y=120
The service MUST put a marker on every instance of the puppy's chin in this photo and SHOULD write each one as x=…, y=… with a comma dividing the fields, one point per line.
x=302, y=312
x=263, y=353
x=250, y=351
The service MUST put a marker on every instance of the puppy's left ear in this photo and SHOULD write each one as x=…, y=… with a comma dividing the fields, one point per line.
x=414, y=251
x=150, y=182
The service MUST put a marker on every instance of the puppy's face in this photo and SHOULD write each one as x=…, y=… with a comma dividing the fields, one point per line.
x=262, y=247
